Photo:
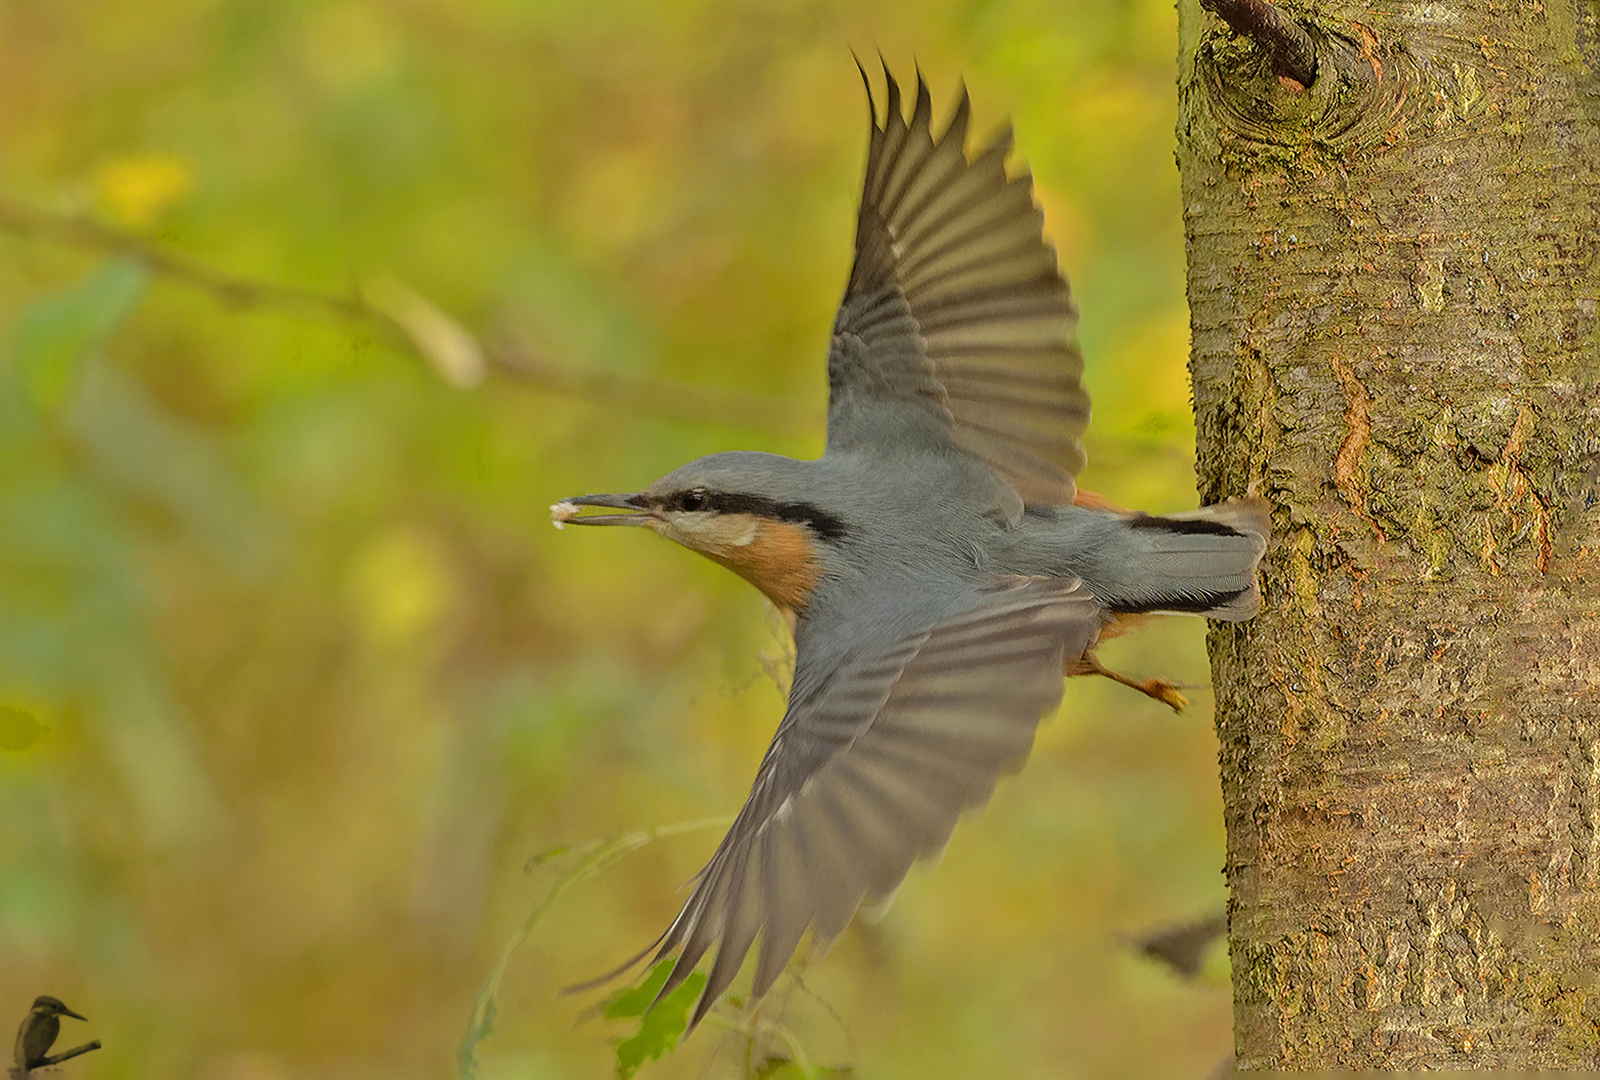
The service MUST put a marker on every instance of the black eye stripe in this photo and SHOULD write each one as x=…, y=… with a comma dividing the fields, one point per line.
x=699, y=500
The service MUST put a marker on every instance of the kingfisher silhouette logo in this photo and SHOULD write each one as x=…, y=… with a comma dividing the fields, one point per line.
x=38, y=1034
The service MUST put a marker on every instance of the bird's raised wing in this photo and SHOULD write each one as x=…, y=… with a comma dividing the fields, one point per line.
x=955, y=307
x=870, y=771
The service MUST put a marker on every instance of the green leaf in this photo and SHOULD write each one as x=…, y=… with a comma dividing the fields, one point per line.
x=19, y=729
x=660, y=1028
x=782, y=1068
x=54, y=335
x=636, y=999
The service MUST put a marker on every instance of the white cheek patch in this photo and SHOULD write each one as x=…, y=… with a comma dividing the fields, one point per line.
x=745, y=533
x=705, y=529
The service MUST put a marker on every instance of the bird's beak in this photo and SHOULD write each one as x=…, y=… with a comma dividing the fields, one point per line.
x=567, y=510
x=68, y=1012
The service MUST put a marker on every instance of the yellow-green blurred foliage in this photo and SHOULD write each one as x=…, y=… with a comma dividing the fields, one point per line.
x=295, y=677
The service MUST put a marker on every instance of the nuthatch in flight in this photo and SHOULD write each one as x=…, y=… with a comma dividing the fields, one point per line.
x=940, y=567
x=39, y=1030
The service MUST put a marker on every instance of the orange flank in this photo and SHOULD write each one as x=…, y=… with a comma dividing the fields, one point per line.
x=1093, y=500
x=1117, y=625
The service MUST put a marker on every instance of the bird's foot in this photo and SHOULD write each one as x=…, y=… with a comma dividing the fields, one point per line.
x=1162, y=690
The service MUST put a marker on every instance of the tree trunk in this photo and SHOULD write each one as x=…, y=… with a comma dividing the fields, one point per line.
x=1393, y=278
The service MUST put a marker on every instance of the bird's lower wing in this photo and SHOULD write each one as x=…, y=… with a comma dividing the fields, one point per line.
x=872, y=772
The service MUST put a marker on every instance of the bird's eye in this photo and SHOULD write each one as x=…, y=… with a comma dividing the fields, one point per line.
x=695, y=499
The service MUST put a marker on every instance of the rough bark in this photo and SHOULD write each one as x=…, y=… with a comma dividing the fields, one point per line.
x=1393, y=279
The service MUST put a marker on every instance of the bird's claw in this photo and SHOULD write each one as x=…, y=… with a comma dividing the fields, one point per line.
x=1165, y=692
x=1162, y=690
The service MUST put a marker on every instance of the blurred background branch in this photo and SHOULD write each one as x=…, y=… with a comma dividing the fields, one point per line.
x=398, y=314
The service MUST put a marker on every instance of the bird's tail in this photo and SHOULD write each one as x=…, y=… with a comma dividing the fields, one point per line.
x=1202, y=562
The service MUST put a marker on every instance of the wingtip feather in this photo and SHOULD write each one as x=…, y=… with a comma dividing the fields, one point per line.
x=600, y=980
x=922, y=111
x=959, y=119
x=891, y=95
x=866, y=84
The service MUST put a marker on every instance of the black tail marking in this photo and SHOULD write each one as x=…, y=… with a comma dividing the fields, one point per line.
x=1183, y=525
x=1187, y=605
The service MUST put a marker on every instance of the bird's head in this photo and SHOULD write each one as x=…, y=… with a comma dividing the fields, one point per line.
x=757, y=514
x=54, y=1006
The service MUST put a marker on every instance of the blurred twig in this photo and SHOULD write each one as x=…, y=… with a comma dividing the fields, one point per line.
x=229, y=289
x=402, y=316
x=752, y=1028
x=1289, y=48
x=513, y=356
x=597, y=856
x=1183, y=947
